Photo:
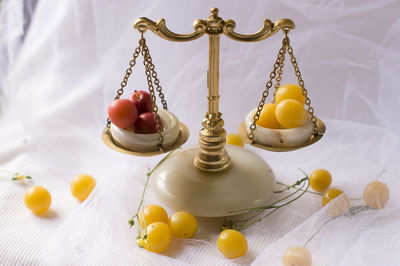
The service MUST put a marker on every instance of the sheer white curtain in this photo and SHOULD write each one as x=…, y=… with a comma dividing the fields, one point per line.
x=69, y=68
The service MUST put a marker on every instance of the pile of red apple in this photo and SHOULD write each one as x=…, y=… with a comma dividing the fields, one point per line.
x=134, y=113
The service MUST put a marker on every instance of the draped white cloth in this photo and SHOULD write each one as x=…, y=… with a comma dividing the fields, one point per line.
x=57, y=81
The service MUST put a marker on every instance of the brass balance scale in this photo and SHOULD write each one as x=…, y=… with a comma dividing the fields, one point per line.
x=212, y=180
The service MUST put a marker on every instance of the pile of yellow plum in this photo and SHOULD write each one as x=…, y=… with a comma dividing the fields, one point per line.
x=287, y=112
x=157, y=229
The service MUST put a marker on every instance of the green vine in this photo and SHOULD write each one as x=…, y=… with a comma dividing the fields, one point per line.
x=131, y=221
x=353, y=211
x=14, y=176
x=301, y=187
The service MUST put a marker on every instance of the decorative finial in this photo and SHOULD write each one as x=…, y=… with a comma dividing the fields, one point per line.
x=214, y=11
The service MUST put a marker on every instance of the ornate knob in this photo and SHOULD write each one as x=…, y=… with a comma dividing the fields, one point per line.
x=214, y=12
x=215, y=24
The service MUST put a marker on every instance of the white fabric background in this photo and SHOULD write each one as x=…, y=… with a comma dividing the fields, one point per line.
x=55, y=89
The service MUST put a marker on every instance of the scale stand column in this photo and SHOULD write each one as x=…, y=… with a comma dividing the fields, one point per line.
x=212, y=156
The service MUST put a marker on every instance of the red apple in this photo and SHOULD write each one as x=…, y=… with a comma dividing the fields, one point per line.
x=145, y=124
x=122, y=113
x=142, y=101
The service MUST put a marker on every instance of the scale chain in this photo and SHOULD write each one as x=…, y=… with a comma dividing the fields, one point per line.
x=150, y=75
x=268, y=85
x=148, y=70
x=310, y=109
x=156, y=81
x=280, y=70
x=124, y=82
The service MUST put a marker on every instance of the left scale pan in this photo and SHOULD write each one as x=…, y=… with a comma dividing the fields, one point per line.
x=175, y=135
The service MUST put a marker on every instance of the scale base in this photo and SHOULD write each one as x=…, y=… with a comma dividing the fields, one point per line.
x=248, y=182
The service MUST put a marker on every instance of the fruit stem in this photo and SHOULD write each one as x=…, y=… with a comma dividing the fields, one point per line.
x=131, y=221
x=287, y=187
x=15, y=176
x=350, y=213
x=296, y=184
x=360, y=198
x=245, y=222
x=318, y=230
x=380, y=174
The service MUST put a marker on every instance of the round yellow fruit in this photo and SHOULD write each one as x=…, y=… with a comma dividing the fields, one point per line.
x=290, y=91
x=151, y=214
x=330, y=194
x=296, y=256
x=320, y=180
x=267, y=117
x=183, y=224
x=82, y=186
x=290, y=113
x=232, y=244
x=234, y=139
x=37, y=199
x=376, y=195
x=158, y=237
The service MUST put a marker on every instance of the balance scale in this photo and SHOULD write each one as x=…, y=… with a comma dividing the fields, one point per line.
x=213, y=179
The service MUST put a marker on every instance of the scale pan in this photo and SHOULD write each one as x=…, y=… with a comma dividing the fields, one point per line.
x=313, y=138
x=180, y=140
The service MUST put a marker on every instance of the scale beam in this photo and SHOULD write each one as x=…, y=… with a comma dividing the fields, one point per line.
x=266, y=31
x=201, y=27
x=161, y=30
x=212, y=156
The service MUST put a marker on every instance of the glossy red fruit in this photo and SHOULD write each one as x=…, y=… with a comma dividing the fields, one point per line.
x=142, y=101
x=122, y=113
x=145, y=124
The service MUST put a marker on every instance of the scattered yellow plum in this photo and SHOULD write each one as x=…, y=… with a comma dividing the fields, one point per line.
x=158, y=237
x=330, y=194
x=296, y=256
x=234, y=139
x=232, y=244
x=37, y=199
x=267, y=117
x=183, y=224
x=151, y=214
x=320, y=180
x=290, y=113
x=376, y=195
x=82, y=185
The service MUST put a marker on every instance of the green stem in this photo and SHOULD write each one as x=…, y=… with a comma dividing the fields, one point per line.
x=15, y=176
x=241, y=227
x=360, y=198
x=248, y=219
x=287, y=187
x=272, y=206
x=380, y=174
x=130, y=221
x=318, y=230
x=350, y=213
